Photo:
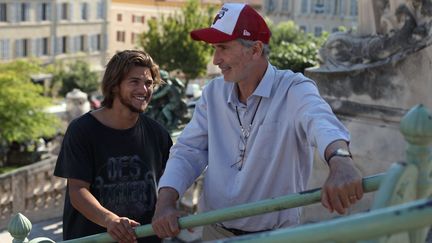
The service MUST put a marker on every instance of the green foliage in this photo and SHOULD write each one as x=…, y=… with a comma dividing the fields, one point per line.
x=22, y=104
x=169, y=43
x=75, y=75
x=293, y=49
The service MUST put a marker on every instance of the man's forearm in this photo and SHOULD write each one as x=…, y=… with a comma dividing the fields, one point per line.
x=167, y=196
x=83, y=201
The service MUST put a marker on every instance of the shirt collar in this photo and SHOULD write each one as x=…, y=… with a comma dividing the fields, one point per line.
x=264, y=87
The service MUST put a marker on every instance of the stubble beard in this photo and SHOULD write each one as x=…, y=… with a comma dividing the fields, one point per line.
x=130, y=106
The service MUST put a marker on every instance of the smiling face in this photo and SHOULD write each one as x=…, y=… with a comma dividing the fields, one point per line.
x=234, y=60
x=135, y=90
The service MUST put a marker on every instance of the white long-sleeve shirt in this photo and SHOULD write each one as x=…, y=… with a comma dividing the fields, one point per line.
x=290, y=121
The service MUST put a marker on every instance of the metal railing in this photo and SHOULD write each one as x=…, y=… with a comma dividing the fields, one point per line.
x=400, y=205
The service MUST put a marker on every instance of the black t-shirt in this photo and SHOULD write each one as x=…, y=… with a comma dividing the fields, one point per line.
x=123, y=168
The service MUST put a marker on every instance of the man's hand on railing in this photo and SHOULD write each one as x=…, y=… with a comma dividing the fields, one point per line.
x=165, y=219
x=121, y=229
x=343, y=186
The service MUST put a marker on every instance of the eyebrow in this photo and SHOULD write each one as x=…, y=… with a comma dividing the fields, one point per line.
x=138, y=78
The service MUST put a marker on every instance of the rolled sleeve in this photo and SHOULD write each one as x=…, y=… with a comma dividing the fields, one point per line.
x=321, y=127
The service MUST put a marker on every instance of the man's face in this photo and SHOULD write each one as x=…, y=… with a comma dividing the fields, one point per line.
x=233, y=59
x=136, y=89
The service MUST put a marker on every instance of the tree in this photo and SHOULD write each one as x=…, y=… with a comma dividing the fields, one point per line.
x=292, y=49
x=169, y=43
x=76, y=75
x=22, y=104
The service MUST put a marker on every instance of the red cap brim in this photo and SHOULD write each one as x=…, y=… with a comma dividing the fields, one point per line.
x=211, y=35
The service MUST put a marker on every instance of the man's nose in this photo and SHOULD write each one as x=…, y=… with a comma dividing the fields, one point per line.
x=145, y=86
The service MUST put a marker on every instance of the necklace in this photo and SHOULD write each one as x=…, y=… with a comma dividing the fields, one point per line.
x=246, y=132
x=245, y=135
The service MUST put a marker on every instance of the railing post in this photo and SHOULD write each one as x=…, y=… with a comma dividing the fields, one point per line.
x=19, y=227
x=416, y=126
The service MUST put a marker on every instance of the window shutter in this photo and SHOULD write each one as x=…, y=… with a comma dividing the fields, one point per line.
x=27, y=11
x=33, y=47
x=70, y=5
x=7, y=54
x=48, y=11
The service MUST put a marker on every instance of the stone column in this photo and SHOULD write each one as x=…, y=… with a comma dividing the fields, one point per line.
x=367, y=22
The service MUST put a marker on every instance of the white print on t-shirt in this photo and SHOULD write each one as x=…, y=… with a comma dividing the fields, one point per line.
x=126, y=185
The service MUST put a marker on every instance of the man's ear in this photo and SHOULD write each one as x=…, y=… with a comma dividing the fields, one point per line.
x=257, y=48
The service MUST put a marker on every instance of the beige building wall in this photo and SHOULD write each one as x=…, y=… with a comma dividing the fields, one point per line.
x=52, y=30
x=129, y=19
x=314, y=16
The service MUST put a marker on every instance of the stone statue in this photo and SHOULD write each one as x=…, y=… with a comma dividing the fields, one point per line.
x=76, y=104
x=168, y=105
x=399, y=28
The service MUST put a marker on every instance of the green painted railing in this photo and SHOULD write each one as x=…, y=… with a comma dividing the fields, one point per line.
x=370, y=184
x=403, y=185
x=409, y=216
x=269, y=205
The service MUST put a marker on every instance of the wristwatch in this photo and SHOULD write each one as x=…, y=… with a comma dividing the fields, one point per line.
x=339, y=152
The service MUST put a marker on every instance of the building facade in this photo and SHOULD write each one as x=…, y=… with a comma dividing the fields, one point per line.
x=314, y=16
x=52, y=30
x=129, y=19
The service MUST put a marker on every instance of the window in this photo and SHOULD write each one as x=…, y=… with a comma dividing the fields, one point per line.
x=318, y=31
x=3, y=12
x=64, y=11
x=95, y=42
x=25, y=49
x=40, y=47
x=101, y=8
x=119, y=17
x=336, y=7
x=341, y=8
x=98, y=42
x=84, y=11
x=4, y=49
x=21, y=48
x=138, y=19
x=271, y=5
x=134, y=36
x=64, y=44
x=24, y=12
x=45, y=46
x=353, y=8
x=304, y=6
x=303, y=28
x=81, y=43
x=319, y=7
x=328, y=7
x=121, y=36
x=45, y=12
x=285, y=5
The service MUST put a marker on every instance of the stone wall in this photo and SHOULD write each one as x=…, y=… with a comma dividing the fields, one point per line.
x=371, y=103
x=33, y=191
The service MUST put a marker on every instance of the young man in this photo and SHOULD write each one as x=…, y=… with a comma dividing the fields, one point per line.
x=113, y=157
x=255, y=130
